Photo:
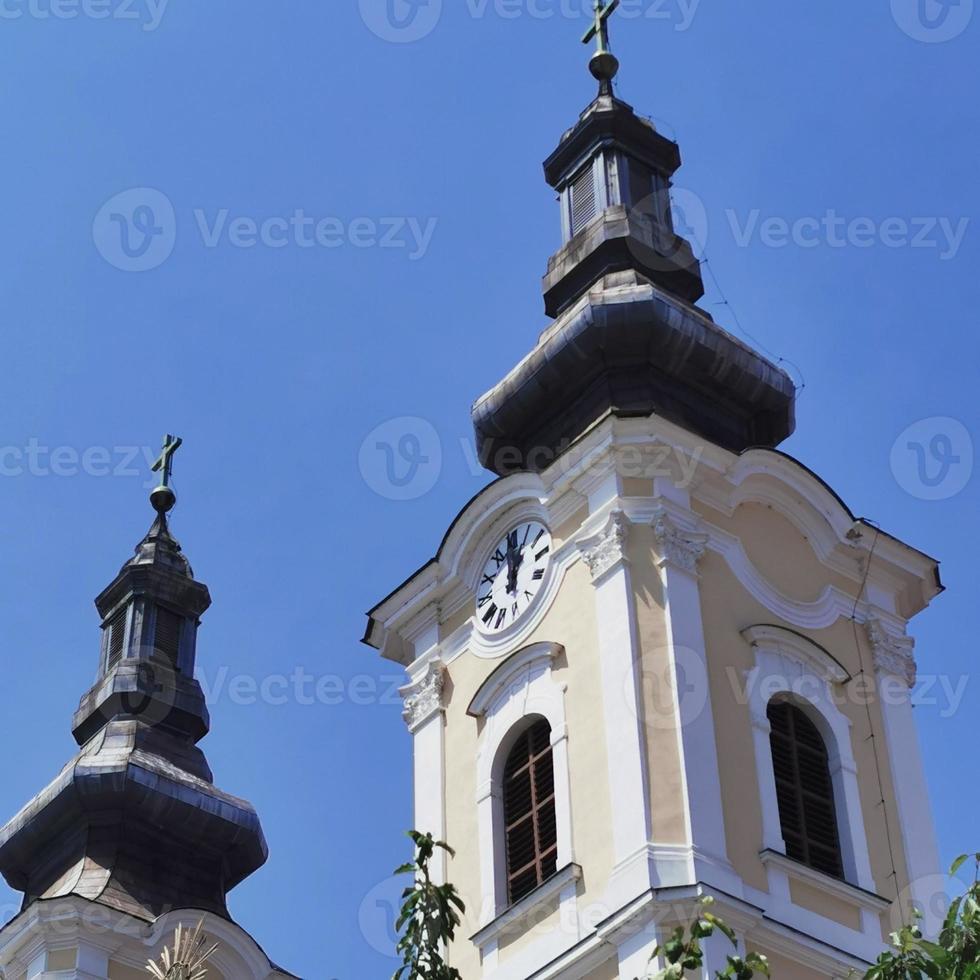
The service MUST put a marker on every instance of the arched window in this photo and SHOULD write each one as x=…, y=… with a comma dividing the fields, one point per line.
x=805, y=790
x=529, y=812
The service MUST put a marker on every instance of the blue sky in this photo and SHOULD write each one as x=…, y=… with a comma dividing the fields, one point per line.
x=830, y=163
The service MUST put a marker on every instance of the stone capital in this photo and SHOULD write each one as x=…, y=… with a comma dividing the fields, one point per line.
x=606, y=550
x=892, y=654
x=678, y=547
x=423, y=698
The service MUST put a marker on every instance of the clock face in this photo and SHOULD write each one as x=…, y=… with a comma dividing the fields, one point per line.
x=513, y=576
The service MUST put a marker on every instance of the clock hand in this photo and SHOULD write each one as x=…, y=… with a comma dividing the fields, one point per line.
x=513, y=562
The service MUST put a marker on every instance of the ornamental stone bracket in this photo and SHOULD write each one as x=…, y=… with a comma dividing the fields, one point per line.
x=605, y=551
x=892, y=654
x=678, y=546
x=423, y=698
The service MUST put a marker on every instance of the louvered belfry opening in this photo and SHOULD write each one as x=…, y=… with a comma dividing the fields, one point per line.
x=529, y=812
x=585, y=204
x=116, y=640
x=805, y=790
x=166, y=637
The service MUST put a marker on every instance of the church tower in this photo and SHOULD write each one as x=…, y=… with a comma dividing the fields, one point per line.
x=132, y=839
x=658, y=659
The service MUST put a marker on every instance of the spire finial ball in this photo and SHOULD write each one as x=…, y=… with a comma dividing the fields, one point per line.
x=163, y=499
x=604, y=66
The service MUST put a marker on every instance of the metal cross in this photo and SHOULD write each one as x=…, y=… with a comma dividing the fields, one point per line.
x=600, y=29
x=166, y=461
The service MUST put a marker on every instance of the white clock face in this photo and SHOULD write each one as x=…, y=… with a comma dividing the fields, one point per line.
x=513, y=576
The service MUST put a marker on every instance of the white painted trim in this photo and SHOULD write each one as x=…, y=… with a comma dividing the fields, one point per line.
x=928, y=888
x=766, y=636
x=527, y=906
x=680, y=545
x=832, y=604
x=102, y=934
x=833, y=886
x=424, y=713
x=516, y=668
x=603, y=544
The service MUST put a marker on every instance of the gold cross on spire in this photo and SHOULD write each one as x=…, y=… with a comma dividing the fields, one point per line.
x=166, y=461
x=600, y=29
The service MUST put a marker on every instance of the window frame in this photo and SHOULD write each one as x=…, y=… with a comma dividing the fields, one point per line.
x=524, y=686
x=539, y=812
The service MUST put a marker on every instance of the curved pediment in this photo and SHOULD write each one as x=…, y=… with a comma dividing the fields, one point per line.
x=776, y=480
x=798, y=548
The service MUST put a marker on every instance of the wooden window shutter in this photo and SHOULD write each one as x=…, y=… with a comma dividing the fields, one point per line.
x=585, y=205
x=805, y=790
x=529, y=812
x=166, y=637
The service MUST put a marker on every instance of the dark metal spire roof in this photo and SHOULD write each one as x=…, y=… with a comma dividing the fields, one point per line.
x=626, y=338
x=160, y=548
x=134, y=820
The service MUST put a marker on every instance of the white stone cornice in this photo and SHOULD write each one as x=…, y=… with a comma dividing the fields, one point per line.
x=678, y=547
x=423, y=699
x=892, y=654
x=606, y=550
